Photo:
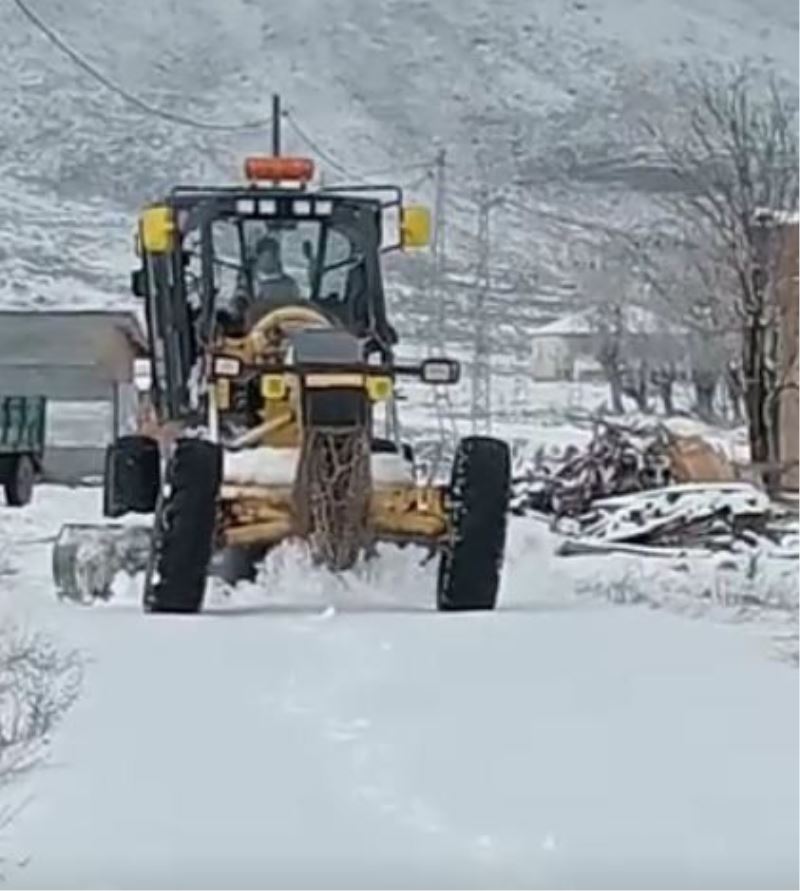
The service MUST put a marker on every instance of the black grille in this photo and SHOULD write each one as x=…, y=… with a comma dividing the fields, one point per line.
x=336, y=407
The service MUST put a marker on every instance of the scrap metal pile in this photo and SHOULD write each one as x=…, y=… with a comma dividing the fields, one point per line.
x=649, y=492
x=617, y=460
x=666, y=522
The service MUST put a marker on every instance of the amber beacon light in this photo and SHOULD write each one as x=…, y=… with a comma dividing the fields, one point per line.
x=278, y=169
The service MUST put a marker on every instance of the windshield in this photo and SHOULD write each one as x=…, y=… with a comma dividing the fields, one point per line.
x=298, y=260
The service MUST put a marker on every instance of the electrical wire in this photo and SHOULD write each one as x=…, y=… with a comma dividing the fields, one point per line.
x=401, y=168
x=316, y=147
x=418, y=182
x=52, y=35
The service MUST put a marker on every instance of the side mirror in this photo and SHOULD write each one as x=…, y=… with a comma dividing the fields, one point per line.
x=440, y=371
x=139, y=283
x=415, y=226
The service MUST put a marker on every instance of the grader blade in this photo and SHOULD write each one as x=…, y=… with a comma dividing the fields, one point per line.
x=86, y=558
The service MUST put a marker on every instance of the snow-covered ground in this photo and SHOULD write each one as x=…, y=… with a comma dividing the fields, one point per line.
x=309, y=731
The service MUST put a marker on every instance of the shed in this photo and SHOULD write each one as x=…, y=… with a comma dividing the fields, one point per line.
x=565, y=349
x=82, y=362
x=555, y=347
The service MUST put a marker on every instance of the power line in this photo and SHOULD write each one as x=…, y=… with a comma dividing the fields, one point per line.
x=132, y=99
x=313, y=144
x=316, y=147
x=418, y=182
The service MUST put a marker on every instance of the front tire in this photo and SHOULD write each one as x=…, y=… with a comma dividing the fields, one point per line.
x=183, y=539
x=469, y=568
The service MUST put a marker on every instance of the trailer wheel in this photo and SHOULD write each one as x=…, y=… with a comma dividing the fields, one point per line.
x=184, y=529
x=19, y=482
x=469, y=569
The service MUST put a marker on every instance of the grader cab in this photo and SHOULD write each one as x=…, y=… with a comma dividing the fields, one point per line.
x=272, y=382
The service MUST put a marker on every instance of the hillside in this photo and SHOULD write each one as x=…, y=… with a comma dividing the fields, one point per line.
x=530, y=92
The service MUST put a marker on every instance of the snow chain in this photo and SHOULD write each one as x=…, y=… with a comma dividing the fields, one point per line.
x=334, y=485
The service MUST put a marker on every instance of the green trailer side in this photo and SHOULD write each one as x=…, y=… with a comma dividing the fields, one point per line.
x=22, y=437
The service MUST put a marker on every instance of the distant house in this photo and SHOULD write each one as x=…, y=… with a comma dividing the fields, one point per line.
x=558, y=347
x=82, y=361
x=566, y=349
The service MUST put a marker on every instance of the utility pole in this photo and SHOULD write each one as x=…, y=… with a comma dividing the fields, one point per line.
x=437, y=339
x=276, y=124
x=481, y=411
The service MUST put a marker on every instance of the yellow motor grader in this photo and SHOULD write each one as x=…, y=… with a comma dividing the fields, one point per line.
x=272, y=370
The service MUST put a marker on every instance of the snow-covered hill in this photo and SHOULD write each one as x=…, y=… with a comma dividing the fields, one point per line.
x=379, y=85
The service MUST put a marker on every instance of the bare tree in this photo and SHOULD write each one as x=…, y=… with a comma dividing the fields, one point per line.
x=734, y=155
x=38, y=685
x=637, y=357
x=682, y=287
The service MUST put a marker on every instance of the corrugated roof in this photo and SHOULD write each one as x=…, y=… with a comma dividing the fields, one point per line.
x=636, y=319
x=63, y=342
x=574, y=323
x=68, y=325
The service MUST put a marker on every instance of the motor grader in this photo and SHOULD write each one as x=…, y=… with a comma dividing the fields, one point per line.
x=273, y=388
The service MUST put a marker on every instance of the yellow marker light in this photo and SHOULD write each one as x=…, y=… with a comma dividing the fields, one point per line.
x=379, y=388
x=415, y=226
x=273, y=386
x=157, y=229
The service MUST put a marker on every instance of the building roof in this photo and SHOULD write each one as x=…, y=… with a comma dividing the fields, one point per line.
x=573, y=323
x=66, y=326
x=636, y=320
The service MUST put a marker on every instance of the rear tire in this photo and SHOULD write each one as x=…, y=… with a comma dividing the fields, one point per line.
x=469, y=569
x=132, y=476
x=20, y=482
x=184, y=530
x=380, y=446
x=239, y=563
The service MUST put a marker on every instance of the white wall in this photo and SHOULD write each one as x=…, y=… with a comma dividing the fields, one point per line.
x=550, y=359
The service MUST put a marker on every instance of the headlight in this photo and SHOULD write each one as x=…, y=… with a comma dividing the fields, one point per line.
x=379, y=389
x=227, y=366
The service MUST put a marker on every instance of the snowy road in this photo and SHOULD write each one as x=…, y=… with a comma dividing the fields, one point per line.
x=283, y=741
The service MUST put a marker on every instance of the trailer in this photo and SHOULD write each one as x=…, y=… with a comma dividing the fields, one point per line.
x=22, y=436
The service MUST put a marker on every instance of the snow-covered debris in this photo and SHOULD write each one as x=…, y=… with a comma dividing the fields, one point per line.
x=701, y=515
